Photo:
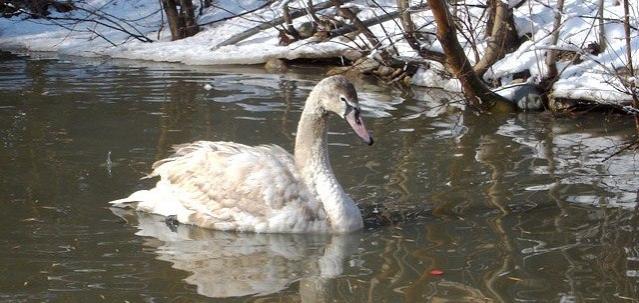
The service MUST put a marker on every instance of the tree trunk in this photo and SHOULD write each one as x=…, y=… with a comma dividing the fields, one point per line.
x=602, y=31
x=348, y=14
x=188, y=15
x=290, y=29
x=173, y=18
x=411, y=35
x=372, y=39
x=182, y=23
x=38, y=8
x=631, y=69
x=310, y=8
x=551, y=58
x=476, y=92
x=407, y=23
x=490, y=23
x=503, y=36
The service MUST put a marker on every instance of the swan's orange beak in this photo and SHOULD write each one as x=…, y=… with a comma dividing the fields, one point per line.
x=355, y=121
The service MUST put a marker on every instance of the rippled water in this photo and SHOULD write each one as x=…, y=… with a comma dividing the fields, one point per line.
x=519, y=207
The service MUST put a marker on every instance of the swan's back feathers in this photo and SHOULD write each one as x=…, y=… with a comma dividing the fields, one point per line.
x=231, y=186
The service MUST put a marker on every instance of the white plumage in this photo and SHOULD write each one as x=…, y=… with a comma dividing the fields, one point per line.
x=231, y=186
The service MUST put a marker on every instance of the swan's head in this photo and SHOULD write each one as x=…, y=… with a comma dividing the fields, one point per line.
x=338, y=95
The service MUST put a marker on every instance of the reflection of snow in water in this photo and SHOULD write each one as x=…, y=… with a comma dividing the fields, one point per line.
x=262, y=94
x=576, y=158
x=226, y=264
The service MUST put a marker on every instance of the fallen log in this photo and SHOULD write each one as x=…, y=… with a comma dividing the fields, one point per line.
x=372, y=21
x=424, y=52
x=275, y=22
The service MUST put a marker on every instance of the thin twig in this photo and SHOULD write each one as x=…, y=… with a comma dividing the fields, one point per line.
x=141, y=38
x=234, y=14
x=627, y=147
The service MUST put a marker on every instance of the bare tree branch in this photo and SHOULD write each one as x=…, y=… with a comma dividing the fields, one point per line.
x=139, y=37
x=277, y=21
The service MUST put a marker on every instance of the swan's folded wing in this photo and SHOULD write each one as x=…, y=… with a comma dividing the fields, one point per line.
x=230, y=186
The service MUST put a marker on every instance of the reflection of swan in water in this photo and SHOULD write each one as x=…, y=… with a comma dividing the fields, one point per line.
x=223, y=264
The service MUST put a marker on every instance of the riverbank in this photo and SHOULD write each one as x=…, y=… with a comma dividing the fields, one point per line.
x=107, y=28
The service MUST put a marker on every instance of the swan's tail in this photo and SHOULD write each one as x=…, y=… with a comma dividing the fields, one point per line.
x=134, y=199
x=161, y=200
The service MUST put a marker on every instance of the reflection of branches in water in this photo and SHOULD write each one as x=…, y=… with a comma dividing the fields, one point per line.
x=389, y=270
x=287, y=89
x=27, y=148
x=634, y=145
x=593, y=244
x=568, y=222
x=457, y=170
x=437, y=238
x=179, y=107
x=491, y=153
x=406, y=269
x=619, y=249
x=404, y=166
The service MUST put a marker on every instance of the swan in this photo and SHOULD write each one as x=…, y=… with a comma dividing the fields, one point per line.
x=264, y=189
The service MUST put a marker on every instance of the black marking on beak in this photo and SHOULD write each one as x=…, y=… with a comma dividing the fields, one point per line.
x=350, y=108
x=357, y=118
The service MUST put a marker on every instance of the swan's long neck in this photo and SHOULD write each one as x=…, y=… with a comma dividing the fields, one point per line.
x=311, y=158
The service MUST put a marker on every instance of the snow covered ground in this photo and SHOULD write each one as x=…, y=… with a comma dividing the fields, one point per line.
x=146, y=17
x=591, y=80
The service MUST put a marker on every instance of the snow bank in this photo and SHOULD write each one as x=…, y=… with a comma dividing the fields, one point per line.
x=588, y=80
x=145, y=17
x=591, y=79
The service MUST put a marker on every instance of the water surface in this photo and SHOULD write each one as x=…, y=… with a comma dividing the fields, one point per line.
x=519, y=207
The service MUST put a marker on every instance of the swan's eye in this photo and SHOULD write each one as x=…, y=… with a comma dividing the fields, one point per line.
x=343, y=99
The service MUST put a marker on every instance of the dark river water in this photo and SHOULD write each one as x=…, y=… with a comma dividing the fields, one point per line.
x=486, y=208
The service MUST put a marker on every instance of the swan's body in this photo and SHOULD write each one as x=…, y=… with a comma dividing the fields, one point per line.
x=231, y=186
